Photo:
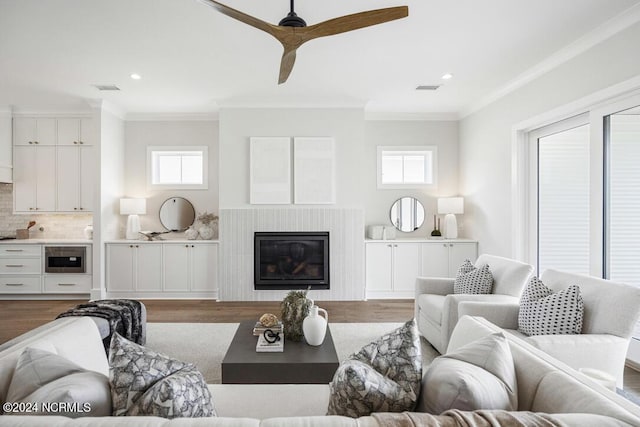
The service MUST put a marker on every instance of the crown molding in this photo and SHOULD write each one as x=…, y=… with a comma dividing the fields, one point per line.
x=51, y=113
x=410, y=116
x=172, y=117
x=596, y=36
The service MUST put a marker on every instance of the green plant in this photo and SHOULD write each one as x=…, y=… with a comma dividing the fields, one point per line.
x=295, y=307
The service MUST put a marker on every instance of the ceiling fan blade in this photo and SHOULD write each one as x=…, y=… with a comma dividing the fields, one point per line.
x=242, y=17
x=286, y=64
x=355, y=21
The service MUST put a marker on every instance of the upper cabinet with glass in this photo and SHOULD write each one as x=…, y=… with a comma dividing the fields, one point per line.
x=407, y=166
x=178, y=168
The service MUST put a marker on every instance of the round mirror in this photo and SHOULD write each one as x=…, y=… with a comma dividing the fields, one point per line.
x=407, y=214
x=177, y=214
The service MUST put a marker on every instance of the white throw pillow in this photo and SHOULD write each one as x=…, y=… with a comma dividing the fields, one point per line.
x=479, y=375
x=543, y=312
x=58, y=386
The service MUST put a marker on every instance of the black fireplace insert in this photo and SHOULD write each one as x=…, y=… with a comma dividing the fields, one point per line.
x=291, y=260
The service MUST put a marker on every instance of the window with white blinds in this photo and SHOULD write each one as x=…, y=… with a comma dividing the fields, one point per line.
x=563, y=201
x=623, y=210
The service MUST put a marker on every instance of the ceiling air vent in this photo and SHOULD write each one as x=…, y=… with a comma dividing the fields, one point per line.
x=428, y=87
x=107, y=87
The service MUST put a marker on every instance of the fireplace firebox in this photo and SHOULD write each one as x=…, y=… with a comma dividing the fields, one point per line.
x=291, y=260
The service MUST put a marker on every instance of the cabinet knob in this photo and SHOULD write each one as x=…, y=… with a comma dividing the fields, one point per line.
x=186, y=246
x=130, y=246
x=193, y=246
x=75, y=142
x=30, y=209
x=81, y=209
x=451, y=244
x=30, y=142
x=36, y=142
x=80, y=142
x=37, y=209
x=388, y=246
x=137, y=246
x=75, y=209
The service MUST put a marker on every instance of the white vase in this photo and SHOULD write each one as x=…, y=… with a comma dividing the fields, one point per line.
x=206, y=232
x=314, y=326
x=88, y=232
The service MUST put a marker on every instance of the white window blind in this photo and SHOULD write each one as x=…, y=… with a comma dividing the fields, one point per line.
x=563, y=201
x=407, y=167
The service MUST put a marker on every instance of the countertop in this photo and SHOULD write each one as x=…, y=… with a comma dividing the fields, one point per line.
x=421, y=240
x=182, y=241
x=46, y=242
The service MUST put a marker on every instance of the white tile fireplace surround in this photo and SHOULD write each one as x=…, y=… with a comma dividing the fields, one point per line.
x=346, y=249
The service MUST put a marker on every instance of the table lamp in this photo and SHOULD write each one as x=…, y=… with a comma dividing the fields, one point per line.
x=450, y=206
x=133, y=208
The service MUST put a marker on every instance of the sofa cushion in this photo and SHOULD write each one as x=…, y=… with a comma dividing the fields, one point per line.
x=478, y=375
x=473, y=280
x=384, y=376
x=45, y=378
x=144, y=382
x=543, y=312
x=431, y=305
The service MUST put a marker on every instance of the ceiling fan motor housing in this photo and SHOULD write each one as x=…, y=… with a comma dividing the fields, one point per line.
x=292, y=20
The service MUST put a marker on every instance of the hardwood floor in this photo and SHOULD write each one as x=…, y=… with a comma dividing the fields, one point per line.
x=18, y=317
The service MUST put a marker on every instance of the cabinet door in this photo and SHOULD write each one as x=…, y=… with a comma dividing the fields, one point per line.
x=176, y=267
x=148, y=267
x=378, y=267
x=86, y=132
x=46, y=179
x=68, y=131
x=87, y=181
x=435, y=259
x=24, y=178
x=120, y=268
x=24, y=131
x=406, y=266
x=458, y=252
x=46, y=131
x=68, y=174
x=204, y=267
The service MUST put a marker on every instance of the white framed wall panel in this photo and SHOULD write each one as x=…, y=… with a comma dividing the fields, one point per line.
x=270, y=170
x=314, y=170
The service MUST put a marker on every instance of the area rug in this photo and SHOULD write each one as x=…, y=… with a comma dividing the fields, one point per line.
x=205, y=344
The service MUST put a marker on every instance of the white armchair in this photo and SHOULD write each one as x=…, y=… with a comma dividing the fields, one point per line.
x=436, y=306
x=611, y=311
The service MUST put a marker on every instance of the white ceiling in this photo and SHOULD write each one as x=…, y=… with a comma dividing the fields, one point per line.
x=194, y=59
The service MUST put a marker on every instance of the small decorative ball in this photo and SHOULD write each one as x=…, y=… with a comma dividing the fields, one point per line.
x=268, y=320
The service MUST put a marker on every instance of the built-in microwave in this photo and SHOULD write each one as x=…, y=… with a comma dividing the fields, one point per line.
x=65, y=259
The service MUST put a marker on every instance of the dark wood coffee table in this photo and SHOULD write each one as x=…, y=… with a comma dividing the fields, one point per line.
x=299, y=363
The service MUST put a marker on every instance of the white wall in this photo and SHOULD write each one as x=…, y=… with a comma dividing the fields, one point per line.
x=139, y=135
x=442, y=134
x=486, y=135
x=237, y=125
x=6, y=161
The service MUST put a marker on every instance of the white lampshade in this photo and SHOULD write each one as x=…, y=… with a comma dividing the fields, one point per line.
x=451, y=205
x=133, y=206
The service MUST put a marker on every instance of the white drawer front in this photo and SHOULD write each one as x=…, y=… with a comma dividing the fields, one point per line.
x=67, y=284
x=20, y=250
x=20, y=265
x=19, y=285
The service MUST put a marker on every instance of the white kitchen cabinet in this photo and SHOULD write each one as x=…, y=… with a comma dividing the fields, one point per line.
x=34, y=131
x=190, y=267
x=392, y=268
x=134, y=268
x=75, y=178
x=34, y=178
x=442, y=259
x=75, y=131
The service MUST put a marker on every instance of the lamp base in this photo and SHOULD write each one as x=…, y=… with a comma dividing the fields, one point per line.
x=133, y=227
x=450, y=227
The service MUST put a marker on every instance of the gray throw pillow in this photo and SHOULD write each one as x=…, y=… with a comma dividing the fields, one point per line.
x=384, y=376
x=144, y=382
x=479, y=375
x=58, y=386
x=543, y=312
x=473, y=280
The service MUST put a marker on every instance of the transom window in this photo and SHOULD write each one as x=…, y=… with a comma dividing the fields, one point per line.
x=406, y=167
x=178, y=167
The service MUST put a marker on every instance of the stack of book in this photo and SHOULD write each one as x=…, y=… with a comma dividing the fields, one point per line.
x=263, y=346
x=259, y=329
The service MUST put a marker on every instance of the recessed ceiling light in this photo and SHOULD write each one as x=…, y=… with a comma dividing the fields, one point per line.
x=135, y=76
x=447, y=76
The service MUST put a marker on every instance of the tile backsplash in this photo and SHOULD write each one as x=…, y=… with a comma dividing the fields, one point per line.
x=56, y=226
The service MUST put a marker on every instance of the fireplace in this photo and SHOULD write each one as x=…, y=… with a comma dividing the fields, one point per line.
x=291, y=260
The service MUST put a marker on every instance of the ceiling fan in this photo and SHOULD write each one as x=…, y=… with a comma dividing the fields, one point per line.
x=292, y=31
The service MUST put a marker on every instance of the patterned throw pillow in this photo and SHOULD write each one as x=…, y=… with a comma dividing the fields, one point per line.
x=144, y=382
x=384, y=376
x=473, y=280
x=543, y=312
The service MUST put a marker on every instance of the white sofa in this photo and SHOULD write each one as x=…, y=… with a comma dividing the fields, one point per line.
x=610, y=313
x=541, y=383
x=436, y=306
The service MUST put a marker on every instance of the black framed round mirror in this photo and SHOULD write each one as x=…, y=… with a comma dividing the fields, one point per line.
x=177, y=214
x=407, y=214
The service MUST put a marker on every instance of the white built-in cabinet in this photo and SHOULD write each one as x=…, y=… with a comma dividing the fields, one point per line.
x=54, y=164
x=162, y=269
x=392, y=266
